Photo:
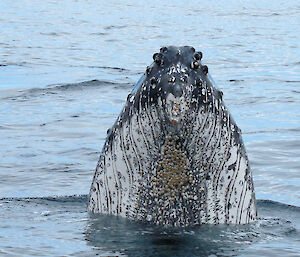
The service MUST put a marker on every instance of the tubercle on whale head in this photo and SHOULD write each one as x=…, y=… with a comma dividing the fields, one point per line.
x=175, y=80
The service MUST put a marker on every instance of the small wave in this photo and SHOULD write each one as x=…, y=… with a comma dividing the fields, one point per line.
x=277, y=205
x=249, y=14
x=235, y=80
x=99, y=34
x=292, y=81
x=296, y=91
x=55, y=34
x=100, y=67
x=273, y=131
x=115, y=27
x=20, y=64
x=268, y=204
x=78, y=86
x=82, y=85
x=80, y=199
x=66, y=199
x=24, y=95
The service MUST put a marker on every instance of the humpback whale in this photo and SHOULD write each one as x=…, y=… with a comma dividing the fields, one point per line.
x=175, y=156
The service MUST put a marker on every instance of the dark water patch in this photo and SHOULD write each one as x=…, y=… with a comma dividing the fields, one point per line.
x=80, y=150
x=112, y=27
x=265, y=14
x=82, y=85
x=99, y=34
x=134, y=239
x=292, y=81
x=58, y=203
x=69, y=199
x=102, y=67
x=66, y=168
x=235, y=80
x=20, y=64
x=109, y=68
x=251, y=13
x=28, y=155
x=55, y=33
x=205, y=240
x=65, y=221
x=4, y=127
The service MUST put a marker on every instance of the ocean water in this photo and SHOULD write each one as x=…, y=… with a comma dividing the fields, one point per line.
x=66, y=68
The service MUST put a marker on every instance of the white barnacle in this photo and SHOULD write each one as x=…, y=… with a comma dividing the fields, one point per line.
x=183, y=69
x=172, y=79
x=149, y=217
x=131, y=99
x=194, y=100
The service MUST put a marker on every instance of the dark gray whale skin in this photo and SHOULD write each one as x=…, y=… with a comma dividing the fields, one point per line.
x=175, y=156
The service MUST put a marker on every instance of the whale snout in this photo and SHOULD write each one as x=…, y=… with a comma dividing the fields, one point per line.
x=176, y=108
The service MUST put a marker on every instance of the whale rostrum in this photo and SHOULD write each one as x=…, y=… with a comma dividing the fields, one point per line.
x=175, y=156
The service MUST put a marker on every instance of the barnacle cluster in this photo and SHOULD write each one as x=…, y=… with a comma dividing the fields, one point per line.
x=172, y=173
x=173, y=193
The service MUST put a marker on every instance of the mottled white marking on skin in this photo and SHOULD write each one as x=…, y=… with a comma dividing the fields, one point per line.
x=156, y=171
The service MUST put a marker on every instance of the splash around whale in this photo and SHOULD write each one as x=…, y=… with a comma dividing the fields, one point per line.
x=175, y=156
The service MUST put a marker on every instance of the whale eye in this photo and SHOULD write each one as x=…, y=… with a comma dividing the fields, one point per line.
x=194, y=65
x=198, y=56
x=205, y=69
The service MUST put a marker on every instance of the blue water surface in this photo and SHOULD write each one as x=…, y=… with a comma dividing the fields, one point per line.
x=66, y=68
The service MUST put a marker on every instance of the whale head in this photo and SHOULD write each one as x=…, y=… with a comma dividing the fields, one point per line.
x=175, y=156
x=177, y=83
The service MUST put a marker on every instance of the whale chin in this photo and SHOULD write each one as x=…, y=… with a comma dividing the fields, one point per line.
x=175, y=156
